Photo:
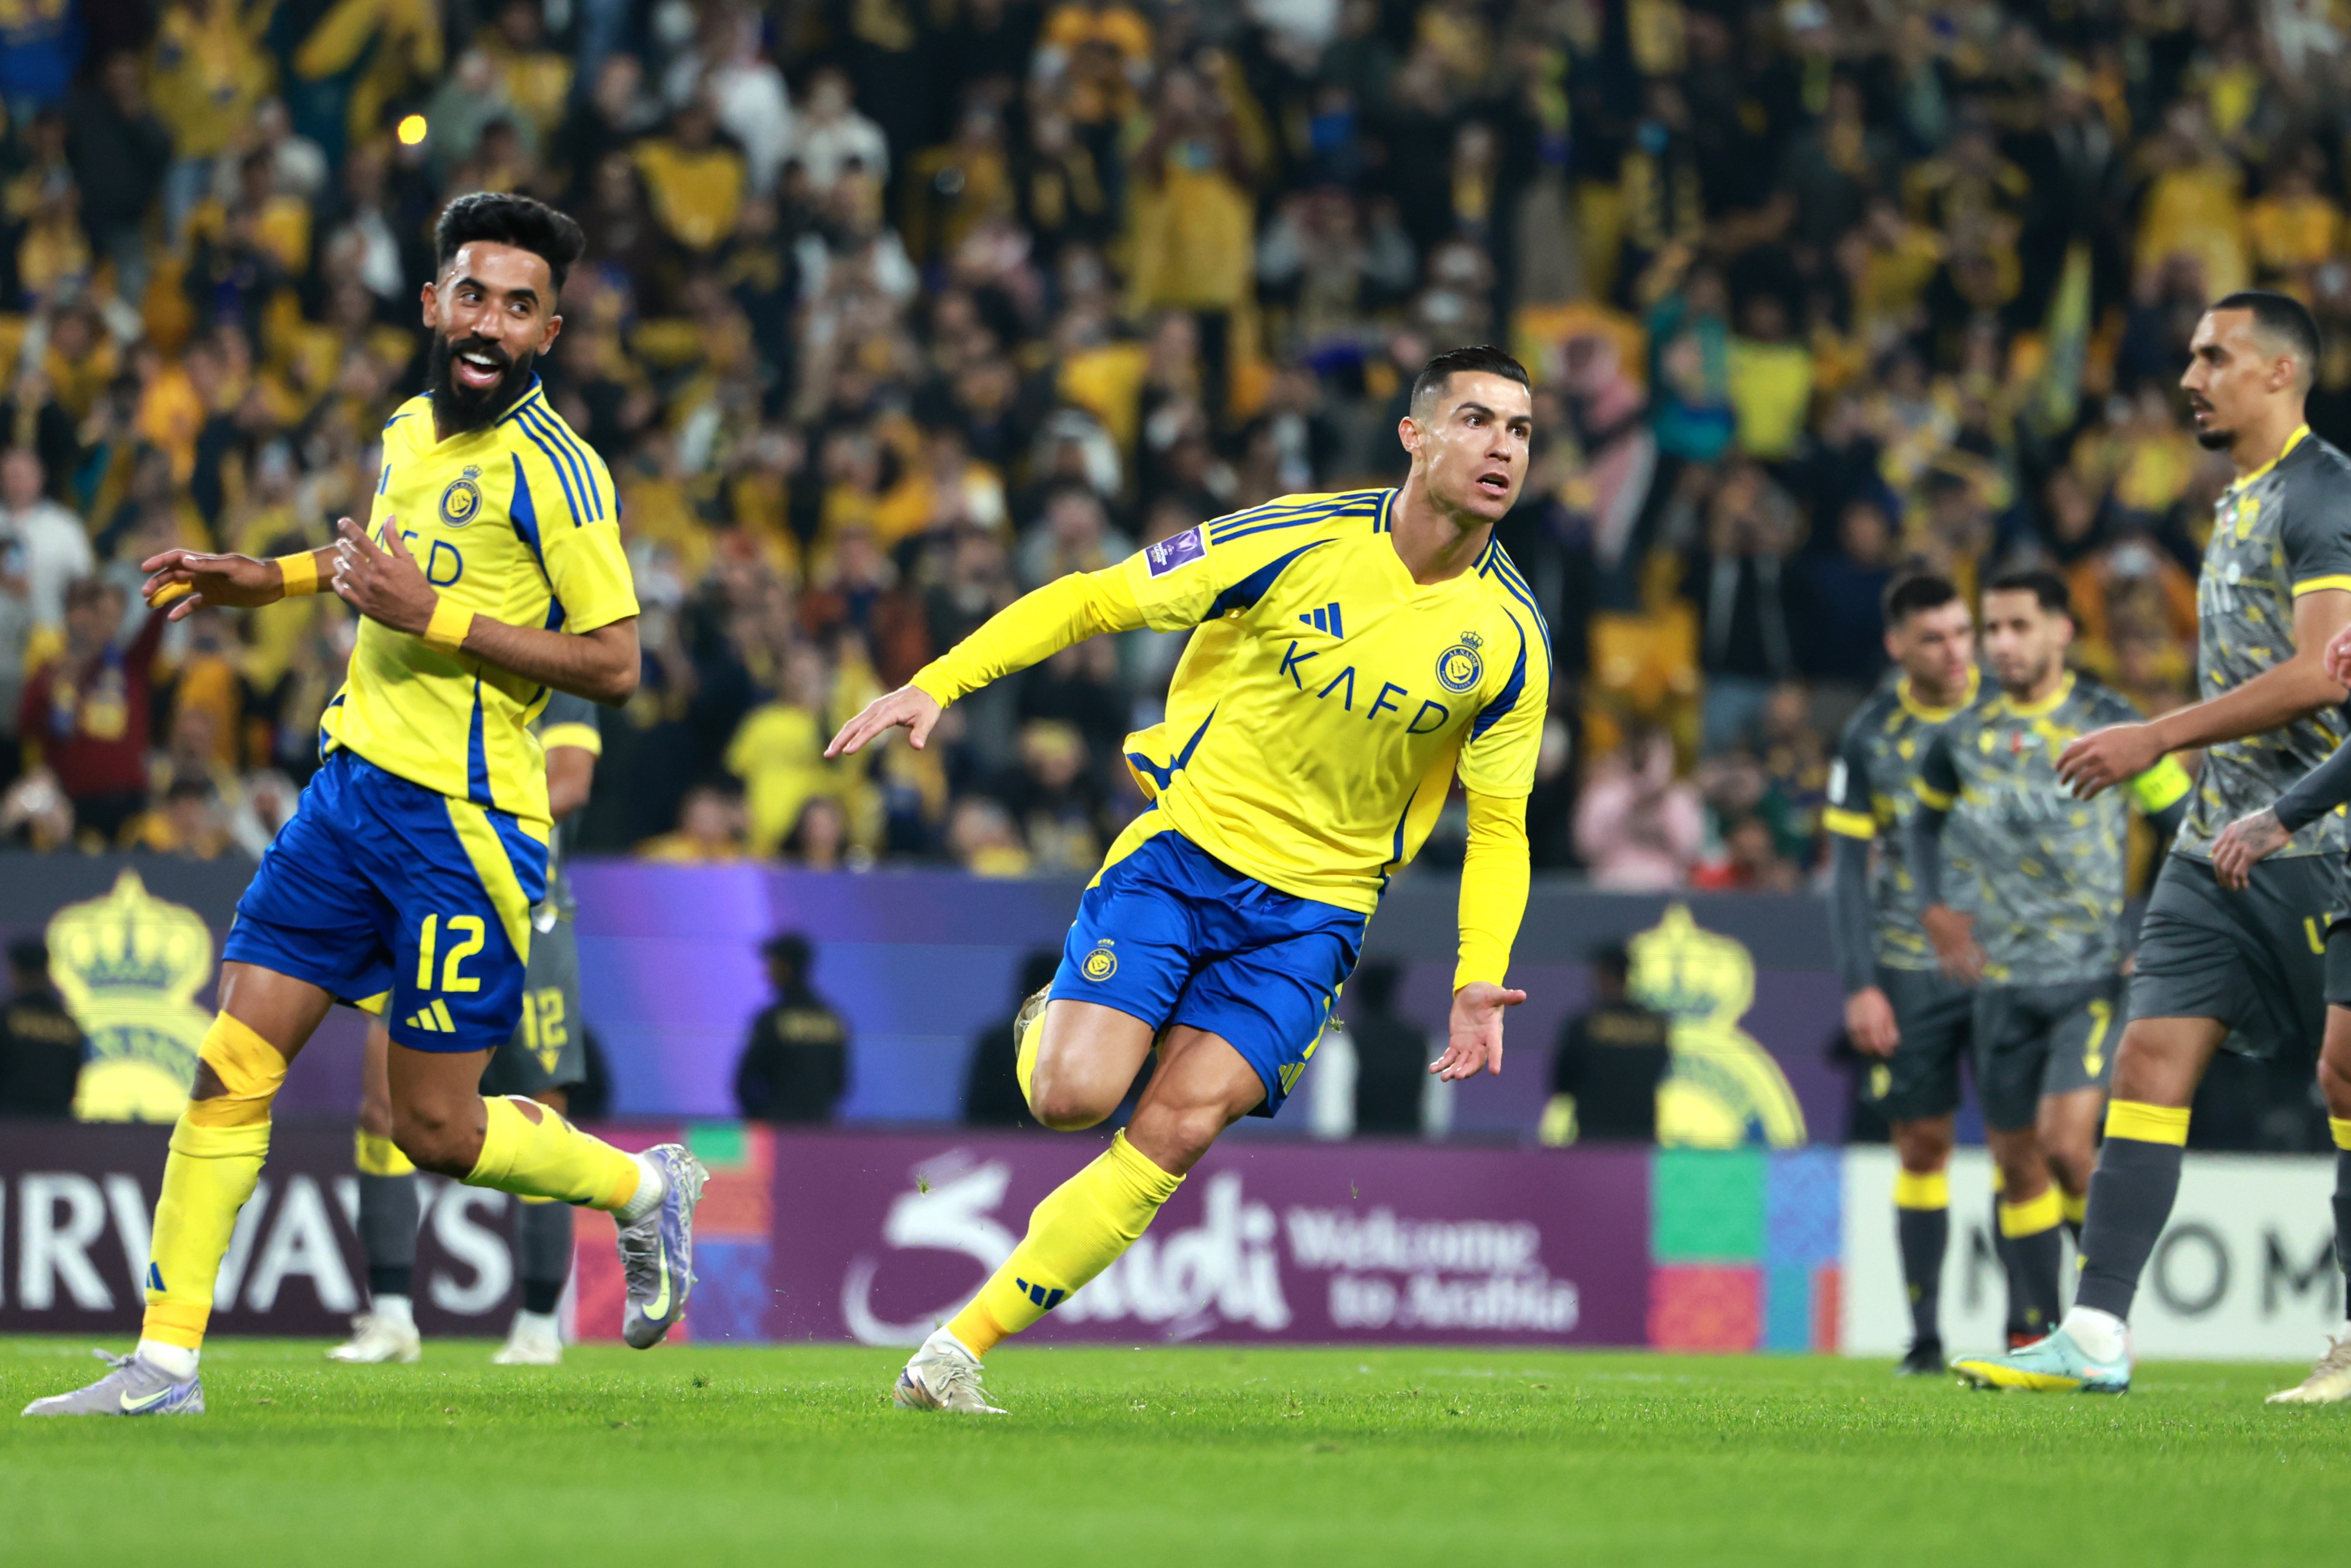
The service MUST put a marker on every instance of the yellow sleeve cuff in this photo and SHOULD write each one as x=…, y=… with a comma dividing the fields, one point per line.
x=2317, y=584
x=445, y=632
x=2161, y=785
x=586, y=736
x=301, y=572
x=1851, y=825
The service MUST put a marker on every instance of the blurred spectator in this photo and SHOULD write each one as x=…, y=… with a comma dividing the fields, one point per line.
x=991, y=1084
x=1750, y=862
x=1740, y=585
x=1611, y=1060
x=709, y=830
x=795, y=1063
x=120, y=152
x=84, y=716
x=1637, y=827
x=1392, y=1054
x=983, y=839
x=41, y=543
x=1841, y=633
x=41, y=1046
x=188, y=824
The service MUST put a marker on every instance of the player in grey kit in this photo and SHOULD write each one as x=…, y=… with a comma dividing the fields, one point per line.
x=2046, y=873
x=1899, y=1005
x=2233, y=949
x=543, y=1061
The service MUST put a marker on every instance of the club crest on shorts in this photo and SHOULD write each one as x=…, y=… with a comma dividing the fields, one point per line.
x=1101, y=964
x=462, y=501
x=1460, y=667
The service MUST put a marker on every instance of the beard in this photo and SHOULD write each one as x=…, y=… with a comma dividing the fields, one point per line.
x=458, y=408
x=2020, y=680
x=2212, y=439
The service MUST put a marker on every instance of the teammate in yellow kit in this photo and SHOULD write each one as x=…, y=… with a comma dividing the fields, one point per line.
x=1355, y=653
x=490, y=572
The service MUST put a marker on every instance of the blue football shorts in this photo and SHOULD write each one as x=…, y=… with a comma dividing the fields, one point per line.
x=1173, y=935
x=381, y=888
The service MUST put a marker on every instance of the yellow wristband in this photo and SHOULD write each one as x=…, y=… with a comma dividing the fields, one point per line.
x=446, y=631
x=300, y=571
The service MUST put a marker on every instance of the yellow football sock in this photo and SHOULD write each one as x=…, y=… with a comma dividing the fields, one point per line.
x=378, y=1157
x=2034, y=1214
x=550, y=1158
x=1024, y=1060
x=2078, y=1207
x=1922, y=1189
x=215, y=1159
x=1077, y=1232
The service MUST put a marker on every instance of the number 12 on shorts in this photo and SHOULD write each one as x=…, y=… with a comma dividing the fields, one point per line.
x=475, y=933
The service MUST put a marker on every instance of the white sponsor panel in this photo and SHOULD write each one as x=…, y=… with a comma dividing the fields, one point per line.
x=2245, y=1270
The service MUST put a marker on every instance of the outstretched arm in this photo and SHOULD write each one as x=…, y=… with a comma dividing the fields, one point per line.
x=384, y=583
x=1494, y=878
x=2278, y=696
x=1028, y=631
x=189, y=580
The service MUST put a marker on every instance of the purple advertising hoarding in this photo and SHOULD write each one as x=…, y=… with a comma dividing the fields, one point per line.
x=879, y=1238
x=77, y=1206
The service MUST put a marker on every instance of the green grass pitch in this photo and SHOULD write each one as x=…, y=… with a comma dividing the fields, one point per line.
x=1199, y=1455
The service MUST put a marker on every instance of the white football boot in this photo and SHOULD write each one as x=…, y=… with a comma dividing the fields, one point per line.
x=944, y=1375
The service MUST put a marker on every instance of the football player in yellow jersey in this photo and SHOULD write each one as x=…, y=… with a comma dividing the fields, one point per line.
x=1354, y=653
x=490, y=572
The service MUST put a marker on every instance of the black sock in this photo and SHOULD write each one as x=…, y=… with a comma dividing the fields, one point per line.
x=1924, y=1234
x=2343, y=1222
x=543, y=1253
x=2131, y=1194
x=388, y=1232
x=2039, y=1259
x=2005, y=1250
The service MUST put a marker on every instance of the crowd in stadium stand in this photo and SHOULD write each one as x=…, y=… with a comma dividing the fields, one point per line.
x=894, y=309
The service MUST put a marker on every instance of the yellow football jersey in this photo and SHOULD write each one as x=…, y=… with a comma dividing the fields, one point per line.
x=518, y=522
x=1322, y=709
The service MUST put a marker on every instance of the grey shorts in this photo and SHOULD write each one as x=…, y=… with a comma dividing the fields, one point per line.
x=2036, y=1040
x=545, y=1052
x=1936, y=1015
x=2263, y=961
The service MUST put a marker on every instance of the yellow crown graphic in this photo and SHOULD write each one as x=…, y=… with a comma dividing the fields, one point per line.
x=1725, y=1090
x=127, y=965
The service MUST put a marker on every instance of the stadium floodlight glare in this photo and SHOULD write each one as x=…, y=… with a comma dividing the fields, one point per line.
x=412, y=129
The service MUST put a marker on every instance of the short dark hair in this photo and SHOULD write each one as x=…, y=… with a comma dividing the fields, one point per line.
x=1907, y=596
x=29, y=956
x=1482, y=359
x=2045, y=586
x=789, y=947
x=2281, y=315
x=1614, y=959
x=505, y=219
